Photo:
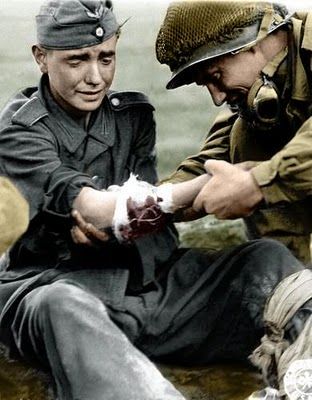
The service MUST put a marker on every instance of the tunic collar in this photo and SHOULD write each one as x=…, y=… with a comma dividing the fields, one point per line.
x=73, y=132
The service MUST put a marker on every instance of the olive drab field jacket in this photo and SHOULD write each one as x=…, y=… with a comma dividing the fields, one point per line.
x=283, y=157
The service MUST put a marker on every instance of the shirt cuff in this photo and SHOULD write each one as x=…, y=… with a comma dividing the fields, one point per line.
x=267, y=178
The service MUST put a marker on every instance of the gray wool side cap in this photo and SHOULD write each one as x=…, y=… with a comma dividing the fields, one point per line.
x=74, y=24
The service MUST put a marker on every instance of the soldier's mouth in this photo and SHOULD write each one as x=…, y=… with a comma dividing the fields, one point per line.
x=238, y=102
x=90, y=92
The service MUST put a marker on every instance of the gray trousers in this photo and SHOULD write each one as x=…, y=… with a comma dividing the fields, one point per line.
x=205, y=308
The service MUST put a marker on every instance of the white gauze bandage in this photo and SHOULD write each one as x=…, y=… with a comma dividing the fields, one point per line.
x=138, y=191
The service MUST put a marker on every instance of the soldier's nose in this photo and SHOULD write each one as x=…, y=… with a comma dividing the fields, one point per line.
x=217, y=95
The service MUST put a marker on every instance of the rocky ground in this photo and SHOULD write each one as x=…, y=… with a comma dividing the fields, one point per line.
x=208, y=232
x=19, y=382
x=216, y=382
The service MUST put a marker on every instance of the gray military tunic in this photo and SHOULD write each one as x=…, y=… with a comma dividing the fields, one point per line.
x=50, y=157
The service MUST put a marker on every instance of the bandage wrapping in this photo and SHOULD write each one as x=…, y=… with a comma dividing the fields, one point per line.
x=164, y=193
x=141, y=208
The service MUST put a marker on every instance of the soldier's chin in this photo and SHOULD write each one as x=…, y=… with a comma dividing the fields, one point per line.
x=88, y=106
x=238, y=107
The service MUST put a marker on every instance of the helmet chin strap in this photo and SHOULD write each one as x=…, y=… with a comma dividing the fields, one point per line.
x=263, y=101
x=271, y=20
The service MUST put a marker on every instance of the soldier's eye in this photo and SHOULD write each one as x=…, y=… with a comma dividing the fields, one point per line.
x=216, y=77
x=106, y=61
x=74, y=63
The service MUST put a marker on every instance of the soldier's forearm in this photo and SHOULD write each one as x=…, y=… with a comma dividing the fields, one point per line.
x=184, y=193
x=99, y=208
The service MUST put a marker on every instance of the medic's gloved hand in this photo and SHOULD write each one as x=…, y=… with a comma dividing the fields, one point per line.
x=141, y=208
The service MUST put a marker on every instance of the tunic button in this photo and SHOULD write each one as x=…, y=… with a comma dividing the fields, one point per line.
x=99, y=32
x=115, y=101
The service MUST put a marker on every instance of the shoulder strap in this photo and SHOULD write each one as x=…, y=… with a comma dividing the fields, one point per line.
x=30, y=112
x=121, y=100
x=306, y=45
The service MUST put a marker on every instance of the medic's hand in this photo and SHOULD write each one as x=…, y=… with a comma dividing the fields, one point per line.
x=231, y=192
x=84, y=233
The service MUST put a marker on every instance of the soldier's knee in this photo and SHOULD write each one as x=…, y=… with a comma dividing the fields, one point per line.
x=67, y=302
x=265, y=264
x=272, y=258
x=273, y=248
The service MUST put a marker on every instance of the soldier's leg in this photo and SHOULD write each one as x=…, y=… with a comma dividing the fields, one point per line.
x=69, y=331
x=213, y=310
x=267, y=264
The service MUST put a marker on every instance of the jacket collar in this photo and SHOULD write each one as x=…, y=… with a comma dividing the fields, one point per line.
x=300, y=85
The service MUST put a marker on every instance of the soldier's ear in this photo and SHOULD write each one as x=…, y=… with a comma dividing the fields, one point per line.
x=40, y=55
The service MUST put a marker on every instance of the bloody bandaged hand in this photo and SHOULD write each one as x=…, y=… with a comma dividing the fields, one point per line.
x=143, y=219
x=141, y=209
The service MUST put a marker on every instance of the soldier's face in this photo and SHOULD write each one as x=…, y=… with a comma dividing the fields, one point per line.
x=228, y=78
x=80, y=78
